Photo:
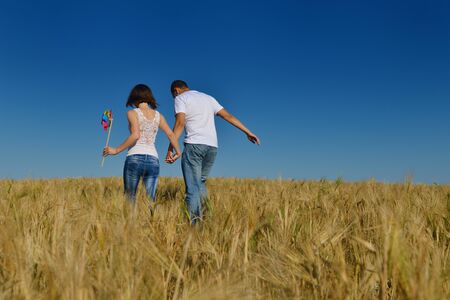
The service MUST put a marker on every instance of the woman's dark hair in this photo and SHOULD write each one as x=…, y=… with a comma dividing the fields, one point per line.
x=141, y=93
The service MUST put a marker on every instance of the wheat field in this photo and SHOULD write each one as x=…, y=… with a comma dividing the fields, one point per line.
x=260, y=239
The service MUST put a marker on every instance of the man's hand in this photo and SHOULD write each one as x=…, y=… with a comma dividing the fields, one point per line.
x=109, y=151
x=172, y=157
x=253, y=138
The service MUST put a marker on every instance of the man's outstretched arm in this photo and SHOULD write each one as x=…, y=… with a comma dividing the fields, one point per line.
x=177, y=130
x=235, y=122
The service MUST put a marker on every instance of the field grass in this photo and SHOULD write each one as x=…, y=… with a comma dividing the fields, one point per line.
x=261, y=239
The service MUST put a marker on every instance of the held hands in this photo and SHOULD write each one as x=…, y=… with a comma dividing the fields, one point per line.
x=109, y=151
x=172, y=157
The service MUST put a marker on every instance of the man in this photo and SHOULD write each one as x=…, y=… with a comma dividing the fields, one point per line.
x=194, y=112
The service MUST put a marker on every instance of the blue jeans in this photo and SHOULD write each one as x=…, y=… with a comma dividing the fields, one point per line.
x=137, y=166
x=196, y=163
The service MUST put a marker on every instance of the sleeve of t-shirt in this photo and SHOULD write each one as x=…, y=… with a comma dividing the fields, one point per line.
x=180, y=106
x=216, y=106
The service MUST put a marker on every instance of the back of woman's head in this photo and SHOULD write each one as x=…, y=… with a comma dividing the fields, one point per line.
x=141, y=93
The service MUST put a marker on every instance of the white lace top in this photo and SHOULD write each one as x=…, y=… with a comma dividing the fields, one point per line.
x=148, y=130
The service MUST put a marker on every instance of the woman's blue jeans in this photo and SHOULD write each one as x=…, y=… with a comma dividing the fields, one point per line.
x=139, y=166
x=196, y=163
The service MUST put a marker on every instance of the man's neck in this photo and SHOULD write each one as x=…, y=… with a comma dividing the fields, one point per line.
x=184, y=90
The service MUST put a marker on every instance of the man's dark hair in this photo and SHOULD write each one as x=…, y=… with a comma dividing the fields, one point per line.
x=177, y=84
x=141, y=93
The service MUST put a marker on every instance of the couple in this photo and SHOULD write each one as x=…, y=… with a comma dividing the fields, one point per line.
x=194, y=113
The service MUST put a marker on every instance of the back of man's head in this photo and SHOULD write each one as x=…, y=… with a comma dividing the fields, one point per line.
x=177, y=86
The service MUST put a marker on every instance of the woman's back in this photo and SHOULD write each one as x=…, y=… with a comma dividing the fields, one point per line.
x=148, y=128
x=142, y=159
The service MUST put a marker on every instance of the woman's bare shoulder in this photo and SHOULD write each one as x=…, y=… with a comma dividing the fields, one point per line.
x=131, y=113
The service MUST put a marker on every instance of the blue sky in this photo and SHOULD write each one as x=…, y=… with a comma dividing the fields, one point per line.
x=351, y=89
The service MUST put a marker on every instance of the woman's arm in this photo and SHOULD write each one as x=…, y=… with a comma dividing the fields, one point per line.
x=172, y=137
x=132, y=138
x=235, y=122
x=180, y=119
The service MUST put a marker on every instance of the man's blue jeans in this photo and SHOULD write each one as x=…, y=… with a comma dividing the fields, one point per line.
x=196, y=163
x=137, y=166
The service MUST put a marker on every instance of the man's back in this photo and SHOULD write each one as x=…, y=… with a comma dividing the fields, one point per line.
x=195, y=113
x=200, y=110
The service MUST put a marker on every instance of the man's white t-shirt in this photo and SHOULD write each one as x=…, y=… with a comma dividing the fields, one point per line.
x=200, y=110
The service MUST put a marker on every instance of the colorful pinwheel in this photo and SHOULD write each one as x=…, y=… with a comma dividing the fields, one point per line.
x=107, y=119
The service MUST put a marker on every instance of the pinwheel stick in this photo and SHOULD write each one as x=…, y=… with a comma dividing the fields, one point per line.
x=107, y=139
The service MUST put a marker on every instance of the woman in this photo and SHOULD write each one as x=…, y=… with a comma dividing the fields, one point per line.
x=142, y=158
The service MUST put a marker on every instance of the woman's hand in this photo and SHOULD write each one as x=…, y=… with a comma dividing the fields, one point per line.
x=174, y=145
x=169, y=154
x=109, y=151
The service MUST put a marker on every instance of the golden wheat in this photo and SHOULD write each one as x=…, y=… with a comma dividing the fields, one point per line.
x=261, y=239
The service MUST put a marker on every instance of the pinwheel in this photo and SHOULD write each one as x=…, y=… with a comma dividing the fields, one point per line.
x=106, y=122
x=107, y=119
